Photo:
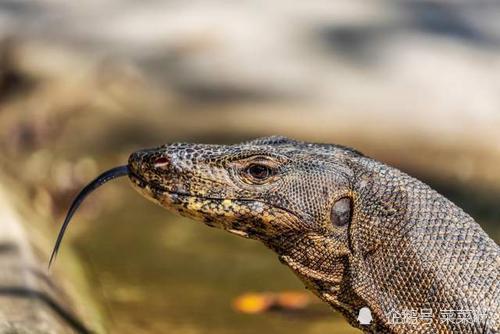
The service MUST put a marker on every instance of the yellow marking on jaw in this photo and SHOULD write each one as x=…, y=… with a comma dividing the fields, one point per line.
x=194, y=204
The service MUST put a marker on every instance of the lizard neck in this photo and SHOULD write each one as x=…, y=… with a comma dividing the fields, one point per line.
x=406, y=253
x=413, y=250
x=325, y=273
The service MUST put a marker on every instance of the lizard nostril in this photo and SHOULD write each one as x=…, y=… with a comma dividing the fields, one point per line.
x=161, y=162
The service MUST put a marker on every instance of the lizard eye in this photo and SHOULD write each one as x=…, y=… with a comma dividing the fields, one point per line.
x=259, y=172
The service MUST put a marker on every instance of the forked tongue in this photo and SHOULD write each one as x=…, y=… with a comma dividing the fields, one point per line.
x=99, y=181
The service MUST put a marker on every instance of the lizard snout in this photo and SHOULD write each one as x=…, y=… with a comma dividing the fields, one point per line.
x=148, y=161
x=162, y=162
x=157, y=168
x=136, y=162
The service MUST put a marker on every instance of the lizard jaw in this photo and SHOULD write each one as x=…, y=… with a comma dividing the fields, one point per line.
x=234, y=215
x=186, y=204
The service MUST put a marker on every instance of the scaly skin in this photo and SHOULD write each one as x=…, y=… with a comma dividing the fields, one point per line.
x=358, y=233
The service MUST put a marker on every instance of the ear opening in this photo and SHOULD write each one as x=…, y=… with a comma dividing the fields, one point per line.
x=341, y=212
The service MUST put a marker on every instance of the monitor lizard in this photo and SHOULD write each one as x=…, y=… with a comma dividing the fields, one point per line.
x=358, y=233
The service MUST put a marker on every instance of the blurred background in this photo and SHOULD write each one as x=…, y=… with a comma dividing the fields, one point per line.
x=83, y=84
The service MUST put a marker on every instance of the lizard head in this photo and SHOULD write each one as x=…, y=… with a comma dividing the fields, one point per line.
x=262, y=189
x=296, y=197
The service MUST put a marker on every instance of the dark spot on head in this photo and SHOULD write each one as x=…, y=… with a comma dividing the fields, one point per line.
x=341, y=212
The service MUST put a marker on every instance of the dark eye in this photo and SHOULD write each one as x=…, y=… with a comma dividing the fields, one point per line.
x=259, y=172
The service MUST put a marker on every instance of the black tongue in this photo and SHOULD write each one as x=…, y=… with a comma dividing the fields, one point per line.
x=96, y=183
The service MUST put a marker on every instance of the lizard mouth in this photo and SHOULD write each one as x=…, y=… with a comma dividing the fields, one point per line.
x=186, y=204
x=238, y=216
x=247, y=217
x=154, y=190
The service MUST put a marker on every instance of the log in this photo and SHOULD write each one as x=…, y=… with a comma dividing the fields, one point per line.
x=31, y=299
